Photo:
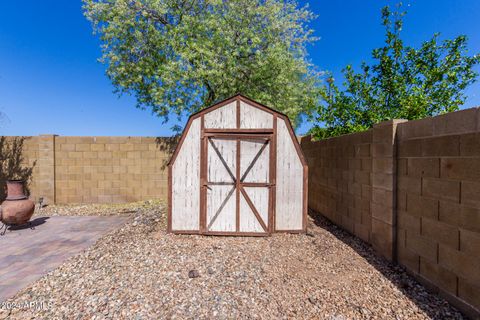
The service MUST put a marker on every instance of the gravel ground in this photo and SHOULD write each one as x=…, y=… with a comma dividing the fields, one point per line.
x=98, y=209
x=140, y=272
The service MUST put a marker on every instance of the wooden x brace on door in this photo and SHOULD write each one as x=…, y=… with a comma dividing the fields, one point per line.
x=238, y=182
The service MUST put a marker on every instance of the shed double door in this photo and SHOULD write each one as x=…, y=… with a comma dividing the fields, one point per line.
x=237, y=184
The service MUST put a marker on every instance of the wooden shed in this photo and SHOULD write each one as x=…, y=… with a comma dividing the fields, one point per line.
x=238, y=170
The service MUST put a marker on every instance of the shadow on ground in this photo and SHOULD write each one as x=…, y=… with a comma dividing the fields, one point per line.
x=396, y=274
x=32, y=224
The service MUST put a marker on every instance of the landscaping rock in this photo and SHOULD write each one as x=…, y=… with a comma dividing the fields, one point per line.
x=210, y=271
x=193, y=274
x=139, y=272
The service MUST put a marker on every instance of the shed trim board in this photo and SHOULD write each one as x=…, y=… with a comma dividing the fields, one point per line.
x=263, y=221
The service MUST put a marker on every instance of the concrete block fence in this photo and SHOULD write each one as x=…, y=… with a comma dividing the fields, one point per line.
x=411, y=190
x=95, y=169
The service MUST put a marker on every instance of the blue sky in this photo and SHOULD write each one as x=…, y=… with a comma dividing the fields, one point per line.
x=51, y=82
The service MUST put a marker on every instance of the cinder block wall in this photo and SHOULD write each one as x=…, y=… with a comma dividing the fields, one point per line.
x=412, y=190
x=439, y=202
x=96, y=169
x=109, y=169
x=340, y=184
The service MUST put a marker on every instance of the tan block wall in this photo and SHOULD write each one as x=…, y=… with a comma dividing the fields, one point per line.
x=97, y=169
x=45, y=178
x=384, y=188
x=340, y=180
x=109, y=169
x=439, y=202
x=412, y=190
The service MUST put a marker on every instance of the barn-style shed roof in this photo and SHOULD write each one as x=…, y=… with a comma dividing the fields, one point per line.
x=227, y=101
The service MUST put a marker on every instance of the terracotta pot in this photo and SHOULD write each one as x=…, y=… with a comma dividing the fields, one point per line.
x=17, y=208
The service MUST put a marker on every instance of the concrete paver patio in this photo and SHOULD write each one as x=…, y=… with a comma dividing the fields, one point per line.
x=27, y=254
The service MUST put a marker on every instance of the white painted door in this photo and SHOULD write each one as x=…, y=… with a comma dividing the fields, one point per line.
x=238, y=185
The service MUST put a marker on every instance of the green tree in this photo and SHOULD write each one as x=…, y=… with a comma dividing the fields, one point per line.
x=179, y=56
x=401, y=83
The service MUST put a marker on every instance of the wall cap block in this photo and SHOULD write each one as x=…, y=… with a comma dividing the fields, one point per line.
x=389, y=122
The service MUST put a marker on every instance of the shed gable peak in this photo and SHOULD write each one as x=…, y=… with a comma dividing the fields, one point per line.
x=237, y=99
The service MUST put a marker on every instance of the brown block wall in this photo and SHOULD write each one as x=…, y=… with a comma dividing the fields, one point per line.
x=439, y=202
x=384, y=188
x=352, y=182
x=412, y=190
x=109, y=169
x=96, y=169
x=45, y=179
x=340, y=180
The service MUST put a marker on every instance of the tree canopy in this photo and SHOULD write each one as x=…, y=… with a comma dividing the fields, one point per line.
x=179, y=56
x=402, y=83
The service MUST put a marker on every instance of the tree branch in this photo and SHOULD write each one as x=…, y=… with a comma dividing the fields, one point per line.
x=154, y=14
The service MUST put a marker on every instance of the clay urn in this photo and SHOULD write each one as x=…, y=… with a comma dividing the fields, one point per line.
x=17, y=209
